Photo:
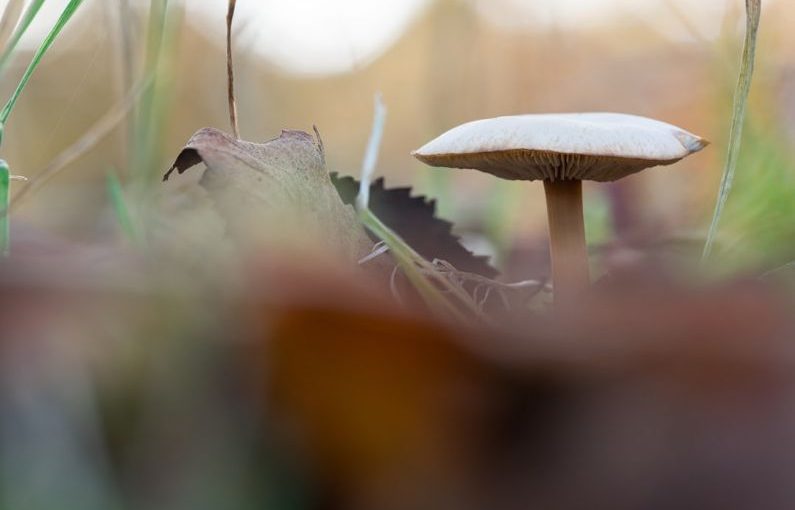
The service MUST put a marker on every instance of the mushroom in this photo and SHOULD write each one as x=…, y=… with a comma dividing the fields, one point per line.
x=562, y=150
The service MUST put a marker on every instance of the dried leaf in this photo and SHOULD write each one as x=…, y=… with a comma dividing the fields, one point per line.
x=275, y=192
x=414, y=219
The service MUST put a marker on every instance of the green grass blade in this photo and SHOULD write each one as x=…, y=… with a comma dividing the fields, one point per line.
x=409, y=262
x=5, y=198
x=12, y=14
x=30, y=14
x=119, y=203
x=753, y=8
x=153, y=107
x=66, y=15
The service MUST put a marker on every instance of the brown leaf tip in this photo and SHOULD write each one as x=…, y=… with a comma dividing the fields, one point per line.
x=321, y=147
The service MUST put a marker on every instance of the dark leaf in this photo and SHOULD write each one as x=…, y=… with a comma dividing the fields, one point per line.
x=414, y=219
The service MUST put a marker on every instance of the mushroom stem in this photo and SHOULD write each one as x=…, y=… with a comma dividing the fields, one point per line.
x=570, y=275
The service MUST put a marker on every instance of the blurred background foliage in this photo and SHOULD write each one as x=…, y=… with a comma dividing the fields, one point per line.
x=449, y=62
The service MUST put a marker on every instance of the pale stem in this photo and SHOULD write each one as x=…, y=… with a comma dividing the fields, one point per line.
x=569, y=253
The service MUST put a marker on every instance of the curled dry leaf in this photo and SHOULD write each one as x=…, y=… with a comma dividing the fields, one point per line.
x=278, y=192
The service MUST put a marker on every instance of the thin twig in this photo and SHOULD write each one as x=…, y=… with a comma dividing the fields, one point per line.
x=393, y=286
x=379, y=249
x=462, y=277
x=230, y=70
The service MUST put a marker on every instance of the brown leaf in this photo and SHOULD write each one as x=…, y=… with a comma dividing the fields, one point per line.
x=278, y=192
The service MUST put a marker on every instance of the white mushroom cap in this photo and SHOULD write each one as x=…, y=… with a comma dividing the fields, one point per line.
x=575, y=146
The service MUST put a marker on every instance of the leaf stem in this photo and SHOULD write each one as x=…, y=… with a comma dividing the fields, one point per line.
x=230, y=70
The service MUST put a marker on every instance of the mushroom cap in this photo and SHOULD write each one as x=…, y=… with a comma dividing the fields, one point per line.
x=574, y=146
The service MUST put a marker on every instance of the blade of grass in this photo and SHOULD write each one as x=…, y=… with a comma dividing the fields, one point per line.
x=5, y=177
x=9, y=21
x=119, y=203
x=753, y=14
x=434, y=288
x=125, y=21
x=151, y=114
x=430, y=284
x=66, y=15
x=371, y=153
x=5, y=195
x=22, y=27
x=401, y=251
